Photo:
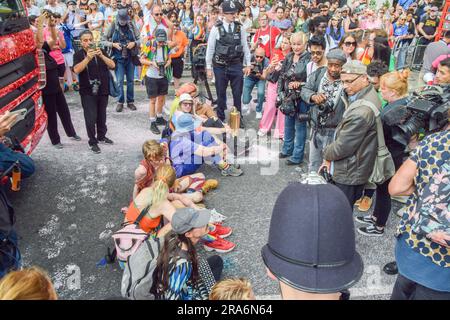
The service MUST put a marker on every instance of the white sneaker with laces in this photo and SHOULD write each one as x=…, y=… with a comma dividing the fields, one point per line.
x=259, y=115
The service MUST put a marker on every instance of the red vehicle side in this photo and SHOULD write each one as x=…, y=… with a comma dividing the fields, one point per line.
x=22, y=74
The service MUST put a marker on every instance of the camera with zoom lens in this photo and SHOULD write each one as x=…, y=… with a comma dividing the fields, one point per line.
x=425, y=112
x=257, y=68
x=95, y=85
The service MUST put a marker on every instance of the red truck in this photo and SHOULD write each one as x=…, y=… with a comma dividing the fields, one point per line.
x=22, y=75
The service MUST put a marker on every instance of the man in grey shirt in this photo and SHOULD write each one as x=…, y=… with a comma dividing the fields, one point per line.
x=432, y=52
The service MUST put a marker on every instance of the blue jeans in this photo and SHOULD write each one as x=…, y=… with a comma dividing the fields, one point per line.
x=294, y=136
x=125, y=68
x=234, y=75
x=401, y=58
x=249, y=84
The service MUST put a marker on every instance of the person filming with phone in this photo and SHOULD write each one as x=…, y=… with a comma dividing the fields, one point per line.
x=92, y=64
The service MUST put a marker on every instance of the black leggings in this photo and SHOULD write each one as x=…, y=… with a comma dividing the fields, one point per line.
x=405, y=289
x=383, y=201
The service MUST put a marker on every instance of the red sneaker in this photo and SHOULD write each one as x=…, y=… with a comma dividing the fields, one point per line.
x=217, y=229
x=220, y=245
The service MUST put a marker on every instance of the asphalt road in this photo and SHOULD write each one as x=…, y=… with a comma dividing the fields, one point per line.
x=67, y=211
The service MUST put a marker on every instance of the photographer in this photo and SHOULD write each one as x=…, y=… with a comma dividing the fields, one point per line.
x=257, y=77
x=423, y=236
x=394, y=89
x=324, y=91
x=123, y=36
x=354, y=149
x=92, y=64
x=156, y=79
x=293, y=76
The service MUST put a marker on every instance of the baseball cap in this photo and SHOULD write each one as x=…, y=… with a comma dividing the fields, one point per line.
x=92, y=2
x=185, y=219
x=122, y=16
x=354, y=67
x=161, y=35
x=71, y=2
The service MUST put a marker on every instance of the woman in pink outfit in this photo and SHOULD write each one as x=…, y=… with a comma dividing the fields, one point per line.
x=270, y=111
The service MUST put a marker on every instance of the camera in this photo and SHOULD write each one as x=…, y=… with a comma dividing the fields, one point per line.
x=95, y=84
x=161, y=68
x=426, y=111
x=124, y=51
x=257, y=68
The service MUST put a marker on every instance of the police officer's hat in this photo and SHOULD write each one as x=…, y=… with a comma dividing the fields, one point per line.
x=229, y=6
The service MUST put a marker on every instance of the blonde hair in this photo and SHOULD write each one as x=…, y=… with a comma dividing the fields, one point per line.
x=27, y=284
x=152, y=150
x=232, y=289
x=299, y=35
x=165, y=177
x=396, y=81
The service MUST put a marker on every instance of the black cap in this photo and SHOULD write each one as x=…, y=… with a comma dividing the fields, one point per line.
x=161, y=35
x=311, y=244
x=122, y=16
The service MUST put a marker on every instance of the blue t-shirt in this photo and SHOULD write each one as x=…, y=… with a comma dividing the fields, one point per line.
x=400, y=30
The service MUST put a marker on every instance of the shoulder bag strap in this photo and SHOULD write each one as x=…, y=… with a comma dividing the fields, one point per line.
x=380, y=136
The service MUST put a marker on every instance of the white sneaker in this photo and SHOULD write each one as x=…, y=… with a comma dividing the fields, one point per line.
x=258, y=115
x=216, y=217
x=245, y=109
x=261, y=133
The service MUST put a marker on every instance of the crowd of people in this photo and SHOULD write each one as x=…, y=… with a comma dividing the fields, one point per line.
x=336, y=72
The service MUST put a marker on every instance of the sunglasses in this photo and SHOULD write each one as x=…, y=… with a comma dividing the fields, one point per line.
x=351, y=81
x=316, y=53
x=157, y=14
x=348, y=44
x=259, y=57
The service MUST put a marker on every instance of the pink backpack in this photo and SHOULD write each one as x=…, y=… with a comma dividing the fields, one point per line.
x=128, y=239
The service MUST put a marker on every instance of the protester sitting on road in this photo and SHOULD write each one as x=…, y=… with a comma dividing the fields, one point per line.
x=323, y=263
x=201, y=109
x=189, y=149
x=155, y=155
x=211, y=125
x=157, y=201
x=8, y=156
x=27, y=284
x=232, y=289
x=179, y=274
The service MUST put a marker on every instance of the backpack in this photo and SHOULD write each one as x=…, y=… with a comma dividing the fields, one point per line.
x=10, y=258
x=128, y=239
x=433, y=206
x=137, y=277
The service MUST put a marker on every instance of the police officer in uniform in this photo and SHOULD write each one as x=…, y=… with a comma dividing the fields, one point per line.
x=228, y=55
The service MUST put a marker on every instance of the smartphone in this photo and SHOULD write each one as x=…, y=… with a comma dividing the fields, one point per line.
x=93, y=46
x=21, y=115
